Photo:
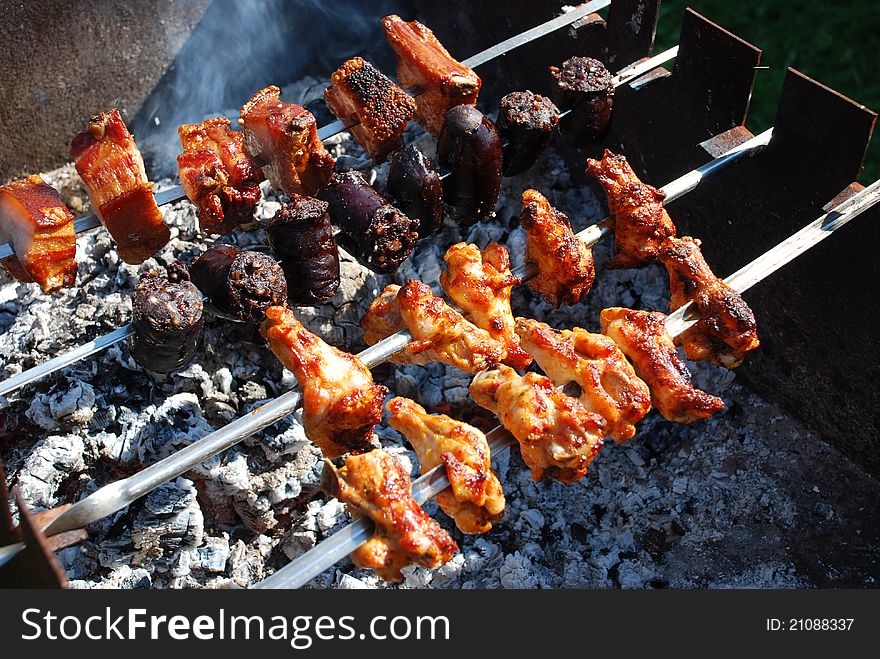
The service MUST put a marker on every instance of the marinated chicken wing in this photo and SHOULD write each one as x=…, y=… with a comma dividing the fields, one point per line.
x=285, y=135
x=111, y=166
x=564, y=262
x=423, y=62
x=217, y=175
x=440, y=329
x=642, y=337
x=40, y=227
x=375, y=484
x=340, y=402
x=382, y=108
x=382, y=319
x=727, y=329
x=557, y=436
x=609, y=385
x=479, y=282
x=475, y=498
x=641, y=224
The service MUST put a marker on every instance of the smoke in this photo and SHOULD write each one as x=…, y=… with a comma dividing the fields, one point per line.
x=241, y=46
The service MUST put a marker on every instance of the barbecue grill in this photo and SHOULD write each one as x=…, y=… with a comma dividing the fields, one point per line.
x=689, y=119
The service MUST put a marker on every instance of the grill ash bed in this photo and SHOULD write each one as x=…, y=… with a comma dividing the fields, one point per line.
x=750, y=497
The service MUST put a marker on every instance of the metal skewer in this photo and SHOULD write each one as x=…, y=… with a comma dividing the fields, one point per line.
x=60, y=361
x=171, y=195
x=323, y=556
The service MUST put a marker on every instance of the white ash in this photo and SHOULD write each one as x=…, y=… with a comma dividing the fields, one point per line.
x=727, y=502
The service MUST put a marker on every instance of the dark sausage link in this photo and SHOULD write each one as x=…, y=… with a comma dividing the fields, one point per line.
x=584, y=86
x=525, y=122
x=414, y=186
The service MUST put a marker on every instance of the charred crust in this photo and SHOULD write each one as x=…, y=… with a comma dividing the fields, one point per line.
x=255, y=283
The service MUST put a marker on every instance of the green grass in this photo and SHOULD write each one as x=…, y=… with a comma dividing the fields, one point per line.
x=836, y=42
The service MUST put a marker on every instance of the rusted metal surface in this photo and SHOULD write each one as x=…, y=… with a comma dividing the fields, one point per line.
x=820, y=355
x=36, y=565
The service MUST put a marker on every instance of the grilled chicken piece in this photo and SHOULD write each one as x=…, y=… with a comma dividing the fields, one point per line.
x=40, y=227
x=727, y=328
x=557, y=435
x=565, y=264
x=111, y=166
x=217, y=175
x=608, y=382
x=285, y=135
x=382, y=108
x=641, y=224
x=340, y=402
x=642, y=337
x=443, y=333
x=479, y=282
x=376, y=485
x=382, y=319
x=475, y=498
x=422, y=61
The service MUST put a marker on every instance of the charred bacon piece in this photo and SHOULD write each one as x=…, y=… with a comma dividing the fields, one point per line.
x=641, y=224
x=40, y=227
x=423, y=62
x=586, y=88
x=608, y=382
x=217, y=175
x=376, y=485
x=379, y=235
x=111, y=166
x=415, y=187
x=341, y=405
x=475, y=498
x=526, y=122
x=480, y=282
x=469, y=152
x=558, y=437
x=727, y=329
x=167, y=320
x=564, y=262
x=642, y=337
x=301, y=236
x=285, y=135
x=382, y=108
x=240, y=285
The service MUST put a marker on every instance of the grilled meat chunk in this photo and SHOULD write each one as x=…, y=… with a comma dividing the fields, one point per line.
x=285, y=135
x=415, y=187
x=726, y=330
x=301, y=236
x=40, y=227
x=641, y=224
x=586, y=89
x=340, y=402
x=469, y=154
x=526, y=122
x=479, y=282
x=376, y=485
x=642, y=337
x=374, y=231
x=111, y=166
x=423, y=62
x=608, y=382
x=217, y=175
x=382, y=108
x=240, y=285
x=382, y=319
x=167, y=320
x=475, y=498
x=558, y=437
x=564, y=262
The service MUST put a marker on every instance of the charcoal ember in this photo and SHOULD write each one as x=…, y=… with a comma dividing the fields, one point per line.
x=526, y=122
x=167, y=318
x=122, y=578
x=74, y=405
x=585, y=88
x=212, y=555
x=415, y=188
x=245, y=565
x=240, y=284
x=469, y=154
x=301, y=236
x=51, y=462
x=379, y=236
